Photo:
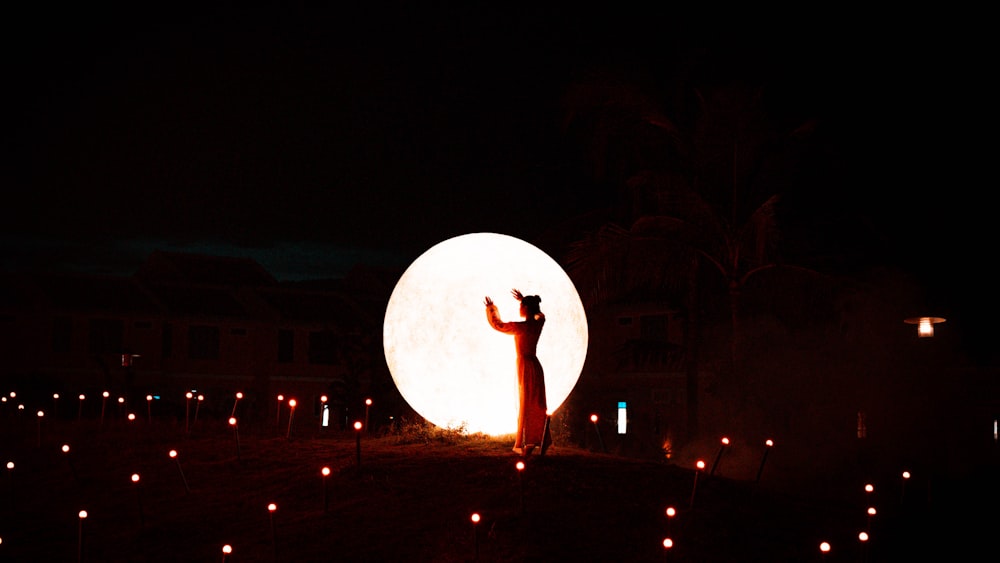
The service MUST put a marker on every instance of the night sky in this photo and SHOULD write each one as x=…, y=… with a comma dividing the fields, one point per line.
x=314, y=140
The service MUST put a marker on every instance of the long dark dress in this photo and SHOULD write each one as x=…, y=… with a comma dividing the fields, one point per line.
x=532, y=430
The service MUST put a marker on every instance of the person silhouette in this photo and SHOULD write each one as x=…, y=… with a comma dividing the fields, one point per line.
x=532, y=430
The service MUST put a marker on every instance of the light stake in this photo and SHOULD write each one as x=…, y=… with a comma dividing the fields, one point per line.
x=187, y=411
x=520, y=480
x=671, y=512
x=863, y=538
x=368, y=405
x=82, y=515
x=357, y=438
x=149, y=408
x=593, y=418
x=239, y=396
x=325, y=472
x=173, y=455
x=79, y=410
x=668, y=543
x=871, y=514
x=824, y=548
x=902, y=488
x=699, y=467
x=545, y=432
x=718, y=456
x=768, y=444
x=291, y=414
x=274, y=540
x=69, y=460
x=197, y=407
x=55, y=404
x=41, y=414
x=10, y=480
x=121, y=405
x=475, y=533
x=236, y=432
x=277, y=418
x=138, y=498
x=104, y=402
x=226, y=550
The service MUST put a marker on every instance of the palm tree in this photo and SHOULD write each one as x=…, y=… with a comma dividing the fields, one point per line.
x=709, y=205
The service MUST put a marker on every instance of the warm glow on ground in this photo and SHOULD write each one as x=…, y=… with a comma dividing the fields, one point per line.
x=448, y=363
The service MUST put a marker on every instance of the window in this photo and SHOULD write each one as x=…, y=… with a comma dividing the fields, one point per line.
x=62, y=334
x=286, y=346
x=106, y=336
x=653, y=327
x=323, y=347
x=203, y=342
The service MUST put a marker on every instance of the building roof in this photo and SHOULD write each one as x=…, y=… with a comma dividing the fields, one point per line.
x=179, y=267
x=83, y=292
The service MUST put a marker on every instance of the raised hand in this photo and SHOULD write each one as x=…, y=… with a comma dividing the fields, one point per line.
x=488, y=301
x=517, y=294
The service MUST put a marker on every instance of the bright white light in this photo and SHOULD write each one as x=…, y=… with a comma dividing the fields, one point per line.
x=446, y=360
x=622, y=417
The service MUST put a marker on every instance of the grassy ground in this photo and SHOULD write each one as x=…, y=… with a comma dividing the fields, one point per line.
x=410, y=495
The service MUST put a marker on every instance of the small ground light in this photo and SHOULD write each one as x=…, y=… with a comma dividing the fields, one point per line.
x=368, y=405
x=699, y=467
x=824, y=547
x=173, y=456
x=69, y=460
x=768, y=444
x=863, y=536
x=722, y=448
x=40, y=415
x=236, y=432
x=597, y=429
x=475, y=532
x=138, y=499
x=274, y=540
x=79, y=542
x=239, y=396
x=325, y=472
x=668, y=543
x=291, y=413
x=357, y=440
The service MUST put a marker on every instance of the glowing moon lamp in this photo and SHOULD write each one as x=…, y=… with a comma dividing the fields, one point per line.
x=445, y=359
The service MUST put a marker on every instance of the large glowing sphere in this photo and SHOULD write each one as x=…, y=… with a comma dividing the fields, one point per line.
x=446, y=360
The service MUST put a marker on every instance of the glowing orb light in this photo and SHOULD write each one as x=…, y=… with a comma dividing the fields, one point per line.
x=446, y=360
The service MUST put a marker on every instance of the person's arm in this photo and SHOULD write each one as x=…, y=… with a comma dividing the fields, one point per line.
x=493, y=317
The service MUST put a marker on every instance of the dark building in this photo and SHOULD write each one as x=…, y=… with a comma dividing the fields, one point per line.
x=210, y=325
